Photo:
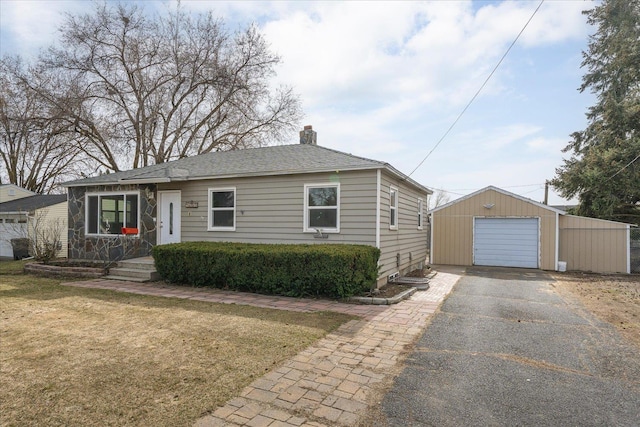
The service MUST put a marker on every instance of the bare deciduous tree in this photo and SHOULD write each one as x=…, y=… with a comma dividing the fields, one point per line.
x=438, y=198
x=151, y=88
x=35, y=153
x=45, y=235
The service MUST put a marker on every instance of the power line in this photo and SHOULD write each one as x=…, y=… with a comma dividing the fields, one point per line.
x=501, y=186
x=442, y=190
x=624, y=167
x=479, y=90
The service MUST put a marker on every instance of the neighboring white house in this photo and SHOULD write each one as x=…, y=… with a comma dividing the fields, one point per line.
x=9, y=192
x=18, y=218
x=300, y=193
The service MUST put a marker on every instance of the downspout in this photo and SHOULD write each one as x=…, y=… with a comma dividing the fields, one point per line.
x=557, y=239
x=378, y=189
x=628, y=249
x=431, y=228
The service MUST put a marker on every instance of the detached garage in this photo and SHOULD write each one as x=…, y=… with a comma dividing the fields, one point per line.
x=493, y=227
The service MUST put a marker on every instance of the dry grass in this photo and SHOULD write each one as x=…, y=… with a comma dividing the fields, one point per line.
x=73, y=356
x=12, y=267
x=612, y=298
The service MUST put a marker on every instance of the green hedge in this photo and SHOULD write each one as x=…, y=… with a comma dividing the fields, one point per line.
x=329, y=270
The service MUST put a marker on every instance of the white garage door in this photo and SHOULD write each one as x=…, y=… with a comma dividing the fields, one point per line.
x=10, y=231
x=506, y=242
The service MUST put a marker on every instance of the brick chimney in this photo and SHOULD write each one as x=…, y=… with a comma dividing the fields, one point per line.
x=308, y=136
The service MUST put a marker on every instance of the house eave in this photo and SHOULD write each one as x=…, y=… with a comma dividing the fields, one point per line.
x=119, y=181
x=147, y=180
x=159, y=180
x=407, y=179
x=212, y=177
x=274, y=173
x=15, y=213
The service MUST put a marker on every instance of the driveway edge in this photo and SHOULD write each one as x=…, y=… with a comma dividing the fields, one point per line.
x=332, y=382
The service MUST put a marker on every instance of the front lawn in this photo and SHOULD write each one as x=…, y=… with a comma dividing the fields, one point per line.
x=72, y=356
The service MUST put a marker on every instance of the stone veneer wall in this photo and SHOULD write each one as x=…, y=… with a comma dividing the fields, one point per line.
x=111, y=248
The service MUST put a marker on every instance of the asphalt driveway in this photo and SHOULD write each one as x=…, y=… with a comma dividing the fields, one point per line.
x=507, y=350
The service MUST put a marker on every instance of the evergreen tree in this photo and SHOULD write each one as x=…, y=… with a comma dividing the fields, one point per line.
x=604, y=168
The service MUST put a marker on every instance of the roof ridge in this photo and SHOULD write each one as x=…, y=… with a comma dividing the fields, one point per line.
x=344, y=152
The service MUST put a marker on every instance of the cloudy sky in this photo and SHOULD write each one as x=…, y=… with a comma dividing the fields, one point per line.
x=385, y=80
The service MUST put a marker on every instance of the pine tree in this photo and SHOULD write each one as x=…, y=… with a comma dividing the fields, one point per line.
x=604, y=168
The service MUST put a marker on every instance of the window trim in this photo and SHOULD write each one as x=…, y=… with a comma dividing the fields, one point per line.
x=393, y=208
x=305, y=225
x=211, y=190
x=99, y=194
x=420, y=213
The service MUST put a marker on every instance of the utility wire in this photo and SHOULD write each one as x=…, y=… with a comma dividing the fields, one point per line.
x=624, y=167
x=442, y=190
x=479, y=90
x=501, y=186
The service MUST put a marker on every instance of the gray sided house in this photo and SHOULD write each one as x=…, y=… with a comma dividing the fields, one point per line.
x=300, y=193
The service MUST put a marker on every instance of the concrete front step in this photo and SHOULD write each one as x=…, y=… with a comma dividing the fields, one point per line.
x=135, y=270
x=138, y=264
x=127, y=279
x=134, y=273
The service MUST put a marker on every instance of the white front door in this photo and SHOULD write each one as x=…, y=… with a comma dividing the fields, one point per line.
x=169, y=217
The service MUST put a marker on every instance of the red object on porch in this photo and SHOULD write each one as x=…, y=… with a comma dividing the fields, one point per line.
x=129, y=230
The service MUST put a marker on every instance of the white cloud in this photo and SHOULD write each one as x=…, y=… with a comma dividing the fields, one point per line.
x=32, y=25
x=497, y=138
x=386, y=79
x=387, y=52
x=546, y=145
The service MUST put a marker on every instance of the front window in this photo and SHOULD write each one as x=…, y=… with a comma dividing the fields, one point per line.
x=222, y=214
x=108, y=213
x=393, y=208
x=322, y=207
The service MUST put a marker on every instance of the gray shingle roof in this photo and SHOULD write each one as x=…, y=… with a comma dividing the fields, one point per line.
x=28, y=204
x=276, y=160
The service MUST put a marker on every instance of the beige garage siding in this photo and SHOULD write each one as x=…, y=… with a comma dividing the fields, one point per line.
x=588, y=244
x=452, y=238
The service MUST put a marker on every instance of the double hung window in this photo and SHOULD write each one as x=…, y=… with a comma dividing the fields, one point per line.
x=322, y=207
x=222, y=209
x=393, y=208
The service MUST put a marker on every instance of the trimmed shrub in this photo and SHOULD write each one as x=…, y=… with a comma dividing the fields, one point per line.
x=328, y=270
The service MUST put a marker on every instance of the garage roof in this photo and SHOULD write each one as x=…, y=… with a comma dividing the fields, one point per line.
x=499, y=190
x=31, y=203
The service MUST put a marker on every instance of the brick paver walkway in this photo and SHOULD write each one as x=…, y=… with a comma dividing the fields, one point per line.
x=306, y=305
x=329, y=383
